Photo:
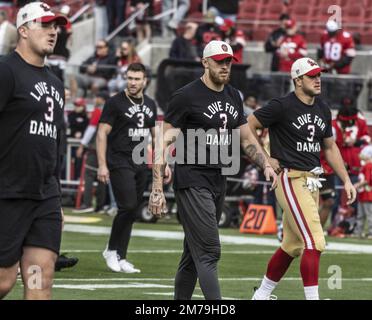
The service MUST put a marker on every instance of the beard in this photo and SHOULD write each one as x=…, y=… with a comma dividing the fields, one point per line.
x=310, y=92
x=134, y=92
x=214, y=76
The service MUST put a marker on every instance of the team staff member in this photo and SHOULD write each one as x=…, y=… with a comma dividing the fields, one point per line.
x=299, y=124
x=200, y=187
x=31, y=120
x=127, y=119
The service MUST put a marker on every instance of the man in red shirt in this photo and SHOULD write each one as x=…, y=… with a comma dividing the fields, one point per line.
x=351, y=134
x=337, y=49
x=291, y=48
x=365, y=194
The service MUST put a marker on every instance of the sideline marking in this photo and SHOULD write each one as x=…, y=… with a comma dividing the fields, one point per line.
x=349, y=247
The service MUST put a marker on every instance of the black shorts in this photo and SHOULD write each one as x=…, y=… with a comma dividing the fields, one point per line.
x=328, y=190
x=25, y=222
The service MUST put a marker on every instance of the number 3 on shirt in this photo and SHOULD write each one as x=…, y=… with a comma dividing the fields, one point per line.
x=223, y=116
x=50, y=114
x=141, y=118
x=311, y=129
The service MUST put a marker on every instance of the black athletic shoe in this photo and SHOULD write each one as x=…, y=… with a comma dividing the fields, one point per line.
x=65, y=262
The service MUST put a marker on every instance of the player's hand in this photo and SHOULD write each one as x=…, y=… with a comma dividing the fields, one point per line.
x=167, y=174
x=351, y=192
x=275, y=165
x=270, y=174
x=157, y=203
x=103, y=174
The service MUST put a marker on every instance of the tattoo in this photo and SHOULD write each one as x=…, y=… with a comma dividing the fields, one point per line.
x=156, y=197
x=158, y=175
x=257, y=157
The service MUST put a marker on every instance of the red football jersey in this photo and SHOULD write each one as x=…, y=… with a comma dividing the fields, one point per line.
x=350, y=153
x=96, y=115
x=365, y=193
x=336, y=47
x=296, y=47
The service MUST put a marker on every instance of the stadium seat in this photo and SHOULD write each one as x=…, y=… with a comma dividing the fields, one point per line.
x=354, y=13
x=301, y=12
x=249, y=10
x=195, y=6
x=366, y=37
x=261, y=33
x=272, y=11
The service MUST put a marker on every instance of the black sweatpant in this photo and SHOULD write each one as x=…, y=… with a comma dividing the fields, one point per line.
x=199, y=211
x=128, y=185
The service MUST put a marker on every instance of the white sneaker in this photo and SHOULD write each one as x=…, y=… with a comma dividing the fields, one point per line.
x=257, y=297
x=127, y=267
x=112, y=260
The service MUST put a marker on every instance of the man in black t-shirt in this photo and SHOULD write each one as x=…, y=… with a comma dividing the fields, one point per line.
x=206, y=112
x=31, y=122
x=127, y=121
x=299, y=126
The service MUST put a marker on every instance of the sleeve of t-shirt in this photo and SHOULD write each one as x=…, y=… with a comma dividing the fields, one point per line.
x=6, y=85
x=177, y=110
x=242, y=117
x=109, y=113
x=153, y=119
x=269, y=114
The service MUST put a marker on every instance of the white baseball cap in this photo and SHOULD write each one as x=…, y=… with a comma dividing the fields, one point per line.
x=38, y=11
x=218, y=50
x=305, y=66
x=332, y=26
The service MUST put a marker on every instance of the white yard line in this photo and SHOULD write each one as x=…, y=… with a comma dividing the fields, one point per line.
x=92, y=287
x=223, y=251
x=157, y=234
x=172, y=279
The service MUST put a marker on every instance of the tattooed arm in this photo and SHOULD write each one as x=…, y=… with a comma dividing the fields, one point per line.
x=254, y=125
x=256, y=153
x=165, y=135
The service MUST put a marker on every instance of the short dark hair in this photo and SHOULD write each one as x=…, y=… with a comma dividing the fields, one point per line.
x=137, y=67
x=284, y=16
x=3, y=14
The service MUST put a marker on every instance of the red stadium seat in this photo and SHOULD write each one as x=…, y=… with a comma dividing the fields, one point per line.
x=353, y=14
x=249, y=10
x=272, y=11
x=366, y=37
x=195, y=6
x=261, y=33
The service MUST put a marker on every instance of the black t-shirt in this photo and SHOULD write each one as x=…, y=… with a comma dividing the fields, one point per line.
x=296, y=130
x=195, y=106
x=78, y=122
x=31, y=121
x=128, y=121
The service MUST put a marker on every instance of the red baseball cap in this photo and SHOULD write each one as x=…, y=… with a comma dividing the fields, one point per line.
x=218, y=50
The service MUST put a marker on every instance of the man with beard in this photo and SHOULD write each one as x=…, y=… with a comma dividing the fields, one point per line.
x=31, y=124
x=299, y=124
x=127, y=120
x=213, y=108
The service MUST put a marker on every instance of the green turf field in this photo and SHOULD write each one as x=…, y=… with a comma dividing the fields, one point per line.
x=157, y=254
